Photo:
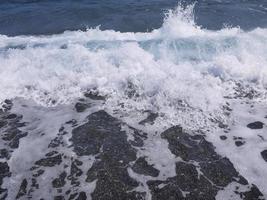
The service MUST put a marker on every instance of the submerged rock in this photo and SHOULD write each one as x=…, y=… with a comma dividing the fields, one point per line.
x=255, y=125
x=4, y=172
x=99, y=154
x=223, y=137
x=10, y=123
x=60, y=181
x=264, y=155
x=80, y=107
x=49, y=161
x=142, y=167
x=4, y=153
x=3, y=123
x=201, y=173
x=239, y=143
x=150, y=118
x=102, y=136
x=22, y=189
x=10, y=136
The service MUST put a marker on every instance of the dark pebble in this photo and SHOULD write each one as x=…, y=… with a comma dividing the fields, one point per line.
x=264, y=155
x=80, y=107
x=2, y=123
x=223, y=137
x=59, y=198
x=49, y=162
x=142, y=167
x=255, y=125
x=4, y=169
x=4, y=153
x=239, y=143
x=82, y=196
x=60, y=181
x=22, y=189
x=11, y=116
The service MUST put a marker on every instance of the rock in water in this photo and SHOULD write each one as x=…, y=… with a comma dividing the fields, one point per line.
x=80, y=107
x=102, y=136
x=10, y=136
x=100, y=155
x=201, y=173
x=264, y=155
x=255, y=125
x=142, y=167
x=22, y=189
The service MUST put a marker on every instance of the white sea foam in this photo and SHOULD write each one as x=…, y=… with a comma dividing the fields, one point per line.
x=181, y=71
x=178, y=59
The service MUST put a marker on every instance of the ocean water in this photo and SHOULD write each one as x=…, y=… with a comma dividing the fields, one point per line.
x=30, y=17
x=188, y=61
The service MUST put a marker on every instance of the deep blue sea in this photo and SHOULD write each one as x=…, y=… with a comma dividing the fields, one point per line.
x=28, y=17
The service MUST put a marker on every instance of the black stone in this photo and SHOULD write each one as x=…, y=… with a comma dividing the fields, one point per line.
x=142, y=167
x=15, y=142
x=80, y=107
x=3, y=123
x=264, y=155
x=34, y=184
x=60, y=181
x=253, y=194
x=22, y=189
x=82, y=196
x=7, y=104
x=238, y=138
x=255, y=125
x=51, y=153
x=11, y=116
x=187, y=179
x=59, y=198
x=4, y=172
x=239, y=143
x=50, y=161
x=55, y=142
x=12, y=134
x=221, y=172
x=72, y=122
x=75, y=172
x=4, y=169
x=4, y=153
x=223, y=137
x=200, y=174
x=189, y=147
x=222, y=125
x=150, y=118
x=216, y=171
x=72, y=196
x=103, y=132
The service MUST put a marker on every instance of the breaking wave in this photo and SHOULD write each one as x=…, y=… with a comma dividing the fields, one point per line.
x=178, y=68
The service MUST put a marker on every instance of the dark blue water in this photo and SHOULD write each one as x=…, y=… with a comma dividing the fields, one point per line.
x=28, y=17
